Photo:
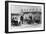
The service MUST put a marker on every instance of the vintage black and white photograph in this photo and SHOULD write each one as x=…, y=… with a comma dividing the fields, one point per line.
x=25, y=17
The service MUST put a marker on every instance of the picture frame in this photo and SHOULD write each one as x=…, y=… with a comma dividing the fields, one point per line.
x=11, y=8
